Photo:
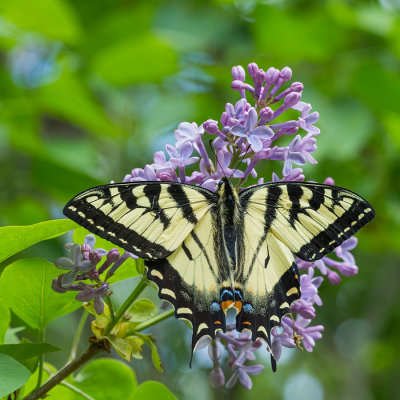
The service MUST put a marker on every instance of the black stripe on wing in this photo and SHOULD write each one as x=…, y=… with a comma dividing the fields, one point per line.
x=93, y=207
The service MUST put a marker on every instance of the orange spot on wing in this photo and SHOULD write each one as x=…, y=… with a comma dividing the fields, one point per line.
x=238, y=305
x=218, y=322
x=246, y=323
x=226, y=304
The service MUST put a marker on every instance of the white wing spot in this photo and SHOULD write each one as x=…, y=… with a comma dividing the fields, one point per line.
x=274, y=318
x=262, y=329
x=291, y=291
x=201, y=327
x=100, y=228
x=367, y=210
x=361, y=216
x=346, y=229
x=156, y=273
x=72, y=208
x=168, y=292
x=322, y=250
x=353, y=223
x=81, y=214
x=284, y=305
x=184, y=310
x=332, y=242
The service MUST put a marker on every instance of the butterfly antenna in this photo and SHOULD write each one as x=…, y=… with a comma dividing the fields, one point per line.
x=238, y=163
x=216, y=156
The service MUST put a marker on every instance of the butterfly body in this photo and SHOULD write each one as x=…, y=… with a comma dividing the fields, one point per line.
x=210, y=251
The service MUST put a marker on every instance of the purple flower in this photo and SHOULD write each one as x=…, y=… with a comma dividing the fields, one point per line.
x=217, y=377
x=75, y=265
x=89, y=293
x=308, y=333
x=307, y=121
x=252, y=132
x=181, y=159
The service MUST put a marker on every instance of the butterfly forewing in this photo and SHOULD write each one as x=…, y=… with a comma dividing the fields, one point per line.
x=149, y=219
x=310, y=219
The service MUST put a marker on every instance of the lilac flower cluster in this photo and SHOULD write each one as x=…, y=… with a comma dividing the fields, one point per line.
x=84, y=265
x=248, y=133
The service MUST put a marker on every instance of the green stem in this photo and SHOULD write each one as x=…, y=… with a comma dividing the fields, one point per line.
x=71, y=387
x=111, y=308
x=76, y=390
x=155, y=320
x=71, y=367
x=127, y=303
x=41, y=361
x=78, y=334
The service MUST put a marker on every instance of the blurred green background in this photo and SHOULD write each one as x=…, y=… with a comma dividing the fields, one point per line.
x=90, y=89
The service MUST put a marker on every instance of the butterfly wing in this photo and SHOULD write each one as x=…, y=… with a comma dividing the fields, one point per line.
x=283, y=220
x=192, y=276
x=149, y=219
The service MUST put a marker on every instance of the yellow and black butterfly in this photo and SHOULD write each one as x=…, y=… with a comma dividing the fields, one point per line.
x=209, y=251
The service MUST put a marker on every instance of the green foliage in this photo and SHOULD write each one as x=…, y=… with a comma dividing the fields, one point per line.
x=26, y=287
x=105, y=379
x=141, y=310
x=4, y=320
x=13, y=239
x=13, y=374
x=152, y=390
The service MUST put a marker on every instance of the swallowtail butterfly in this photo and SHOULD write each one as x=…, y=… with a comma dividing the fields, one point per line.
x=210, y=251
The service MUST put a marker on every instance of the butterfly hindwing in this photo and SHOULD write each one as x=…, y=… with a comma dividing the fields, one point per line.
x=149, y=219
x=267, y=276
x=191, y=279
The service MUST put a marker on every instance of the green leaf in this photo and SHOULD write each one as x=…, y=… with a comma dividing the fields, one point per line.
x=127, y=269
x=23, y=351
x=26, y=287
x=105, y=379
x=141, y=310
x=154, y=353
x=4, y=319
x=152, y=390
x=152, y=60
x=53, y=18
x=13, y=375
x=13, y=239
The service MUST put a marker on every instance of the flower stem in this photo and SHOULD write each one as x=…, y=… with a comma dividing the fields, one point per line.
x=92, y=350
x=155, y=320
x=111, y=308
x=41, y=359
x=127, y=303
x=78, y=334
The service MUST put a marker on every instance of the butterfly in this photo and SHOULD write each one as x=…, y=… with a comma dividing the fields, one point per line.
x=210, y=251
